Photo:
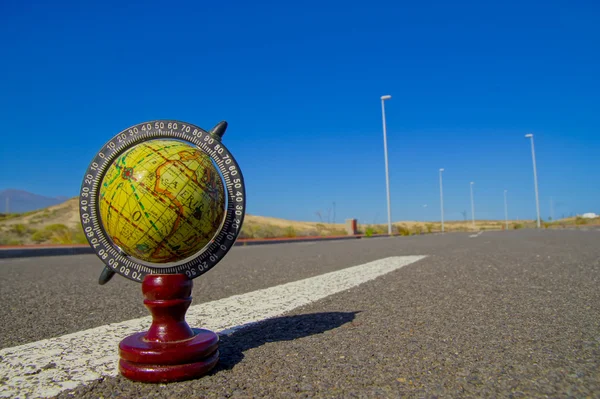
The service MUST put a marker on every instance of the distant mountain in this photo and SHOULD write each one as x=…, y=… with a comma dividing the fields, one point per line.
x=19, y=201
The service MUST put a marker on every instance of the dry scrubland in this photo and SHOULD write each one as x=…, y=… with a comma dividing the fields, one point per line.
x=60, y=224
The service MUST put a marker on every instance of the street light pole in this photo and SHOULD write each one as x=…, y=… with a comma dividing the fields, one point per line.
x=387, y=173
x=537, y=198
x=442, y=198
x=472, y=206
x=505, y=211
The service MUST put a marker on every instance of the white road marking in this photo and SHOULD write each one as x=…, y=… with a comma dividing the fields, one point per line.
x=46, y=368
x=476, y=235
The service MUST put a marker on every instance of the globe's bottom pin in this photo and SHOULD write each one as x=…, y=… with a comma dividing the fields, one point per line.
x=170, y=350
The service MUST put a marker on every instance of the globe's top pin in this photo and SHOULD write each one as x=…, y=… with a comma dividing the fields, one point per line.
x=219, y=129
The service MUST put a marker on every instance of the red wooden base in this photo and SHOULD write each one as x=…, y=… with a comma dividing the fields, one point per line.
x=170, y=350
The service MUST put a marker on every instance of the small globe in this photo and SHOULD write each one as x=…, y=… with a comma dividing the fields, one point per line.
x=162, y=201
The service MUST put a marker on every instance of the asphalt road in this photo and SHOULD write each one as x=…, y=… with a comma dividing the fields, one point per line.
x=505, y=314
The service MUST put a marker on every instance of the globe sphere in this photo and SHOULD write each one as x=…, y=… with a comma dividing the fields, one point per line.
x=162, y=201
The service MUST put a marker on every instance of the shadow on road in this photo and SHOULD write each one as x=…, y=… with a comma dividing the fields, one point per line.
x=232, y=346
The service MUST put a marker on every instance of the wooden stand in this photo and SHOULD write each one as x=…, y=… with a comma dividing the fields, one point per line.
x=170, y=350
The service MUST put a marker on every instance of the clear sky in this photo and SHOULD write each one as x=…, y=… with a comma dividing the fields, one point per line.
x=300, y=85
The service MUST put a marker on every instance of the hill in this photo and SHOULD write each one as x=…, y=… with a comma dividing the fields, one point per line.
x=59, y=224
x=19, y=201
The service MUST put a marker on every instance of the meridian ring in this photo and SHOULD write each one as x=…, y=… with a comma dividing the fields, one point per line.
x=223, y=240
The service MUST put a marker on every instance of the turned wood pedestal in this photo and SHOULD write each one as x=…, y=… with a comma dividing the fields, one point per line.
x=170, y=350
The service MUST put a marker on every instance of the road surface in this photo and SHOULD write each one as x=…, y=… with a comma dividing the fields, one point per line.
x=500, y=314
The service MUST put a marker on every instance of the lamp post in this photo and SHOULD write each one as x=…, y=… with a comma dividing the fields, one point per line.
x=472, y=206
x=387, y=173
x=537, y=199
x=442, y=198
x=505, y=211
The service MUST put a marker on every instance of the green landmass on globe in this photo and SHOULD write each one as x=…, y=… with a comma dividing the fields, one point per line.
x=162, y=200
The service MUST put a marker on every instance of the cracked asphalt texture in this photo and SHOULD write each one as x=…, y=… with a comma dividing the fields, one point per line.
x=506, y=314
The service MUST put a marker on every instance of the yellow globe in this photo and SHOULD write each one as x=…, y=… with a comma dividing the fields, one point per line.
x=162, y=201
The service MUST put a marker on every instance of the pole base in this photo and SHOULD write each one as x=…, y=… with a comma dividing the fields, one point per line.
x=156, y=362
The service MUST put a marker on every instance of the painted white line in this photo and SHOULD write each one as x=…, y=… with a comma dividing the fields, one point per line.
x=476, y=235
x=48, y=367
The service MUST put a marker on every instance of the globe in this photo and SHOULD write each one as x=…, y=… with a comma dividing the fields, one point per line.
x=162, y=201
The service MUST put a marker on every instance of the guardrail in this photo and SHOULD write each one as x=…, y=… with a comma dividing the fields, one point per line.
x=26, y=251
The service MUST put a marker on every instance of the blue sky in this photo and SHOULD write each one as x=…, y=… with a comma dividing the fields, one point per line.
x=299, y=84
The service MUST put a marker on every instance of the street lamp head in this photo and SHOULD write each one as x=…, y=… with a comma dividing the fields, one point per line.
x=441, y=169
x=386, y=97
x=529, y=135
x=472, y=183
